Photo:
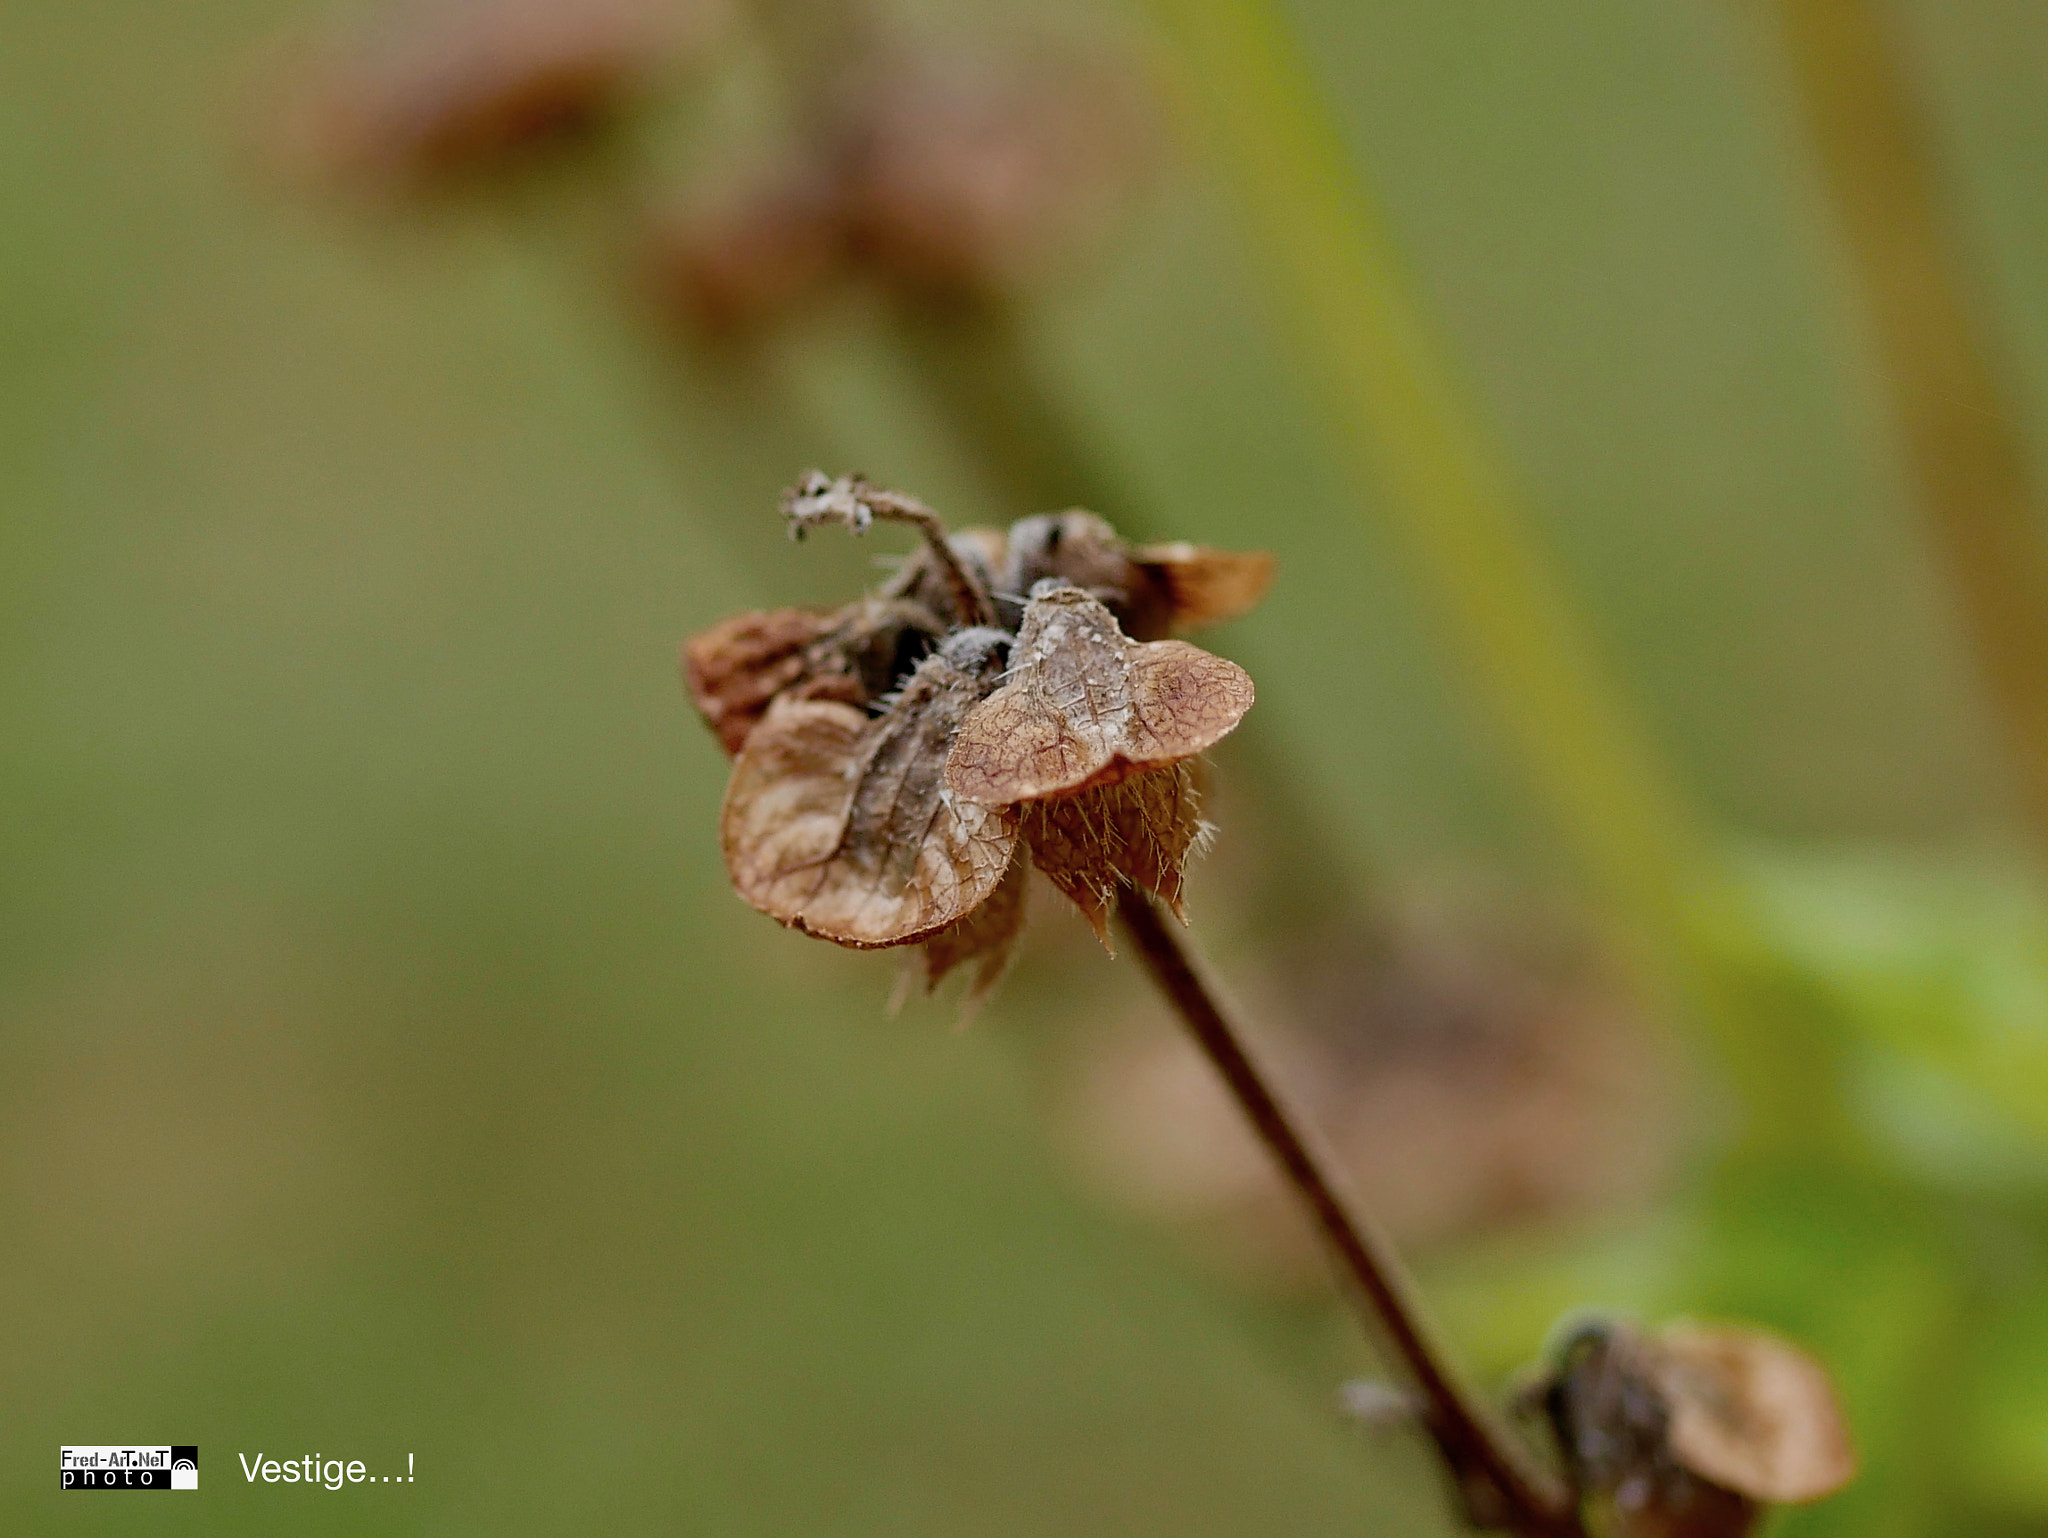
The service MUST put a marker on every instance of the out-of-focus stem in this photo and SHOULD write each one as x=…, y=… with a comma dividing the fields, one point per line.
x=1962, y=447
x=1501, y=1484
x=1401, y=421
x=983, y=381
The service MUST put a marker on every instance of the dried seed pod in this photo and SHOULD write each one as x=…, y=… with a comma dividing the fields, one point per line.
x=1692, y=1432
x=841, y=825
x=1085, y=705
x=985, y=937
x=1152, y=590
x=1139, y=831
x=455, y=85
x=855, y=655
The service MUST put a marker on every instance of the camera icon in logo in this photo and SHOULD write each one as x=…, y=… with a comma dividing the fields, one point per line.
x=184, y=1468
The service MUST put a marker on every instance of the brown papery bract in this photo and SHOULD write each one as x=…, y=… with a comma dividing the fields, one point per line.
x=1752, y=1412
x=1153, y=590
x=1085, y=705
x=1206, y=586
x=1137, y=832
x=855, y=654
x=841, y=826
x=984, y=938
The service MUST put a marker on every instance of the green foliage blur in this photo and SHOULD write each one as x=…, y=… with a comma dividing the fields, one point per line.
x=386, y=1068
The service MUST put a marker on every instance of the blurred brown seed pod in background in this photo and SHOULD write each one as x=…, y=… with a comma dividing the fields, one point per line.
x=1694, y=1430
x=1475, y=1065
x=751, y=257
x=944, y=169
x=437, y=88
x=972, y=166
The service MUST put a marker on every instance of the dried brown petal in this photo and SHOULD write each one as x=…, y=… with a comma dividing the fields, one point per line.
x=1085, y=705
x=1152, y=590
x=1137, y=832
x=735, y=669
x=1752, y=1412
x=841, y=826
x=985, y=937
x=1206, y=586
x=856, y=655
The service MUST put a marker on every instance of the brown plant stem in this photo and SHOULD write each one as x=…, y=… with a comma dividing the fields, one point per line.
x=1962, y=447
x=855, y=501
x=1502, y=1485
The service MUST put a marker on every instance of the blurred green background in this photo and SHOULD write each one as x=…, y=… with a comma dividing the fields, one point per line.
x=387, y=1068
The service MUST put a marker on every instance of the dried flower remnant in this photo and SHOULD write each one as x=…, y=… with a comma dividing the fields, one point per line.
x=852, y=813
x=838, y=824
x=1694, y=1431
x=446, y=86
x=904, y=828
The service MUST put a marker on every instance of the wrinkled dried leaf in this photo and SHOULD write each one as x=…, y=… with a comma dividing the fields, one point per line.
x=854, y=655
x=1753, y=1413
x=841, y=825
x=1085, y=705
x=985, y=937
x=1137, y=832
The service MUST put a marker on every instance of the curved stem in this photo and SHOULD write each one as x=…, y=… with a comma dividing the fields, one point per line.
x=1503, y=1487
x=850, y=500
